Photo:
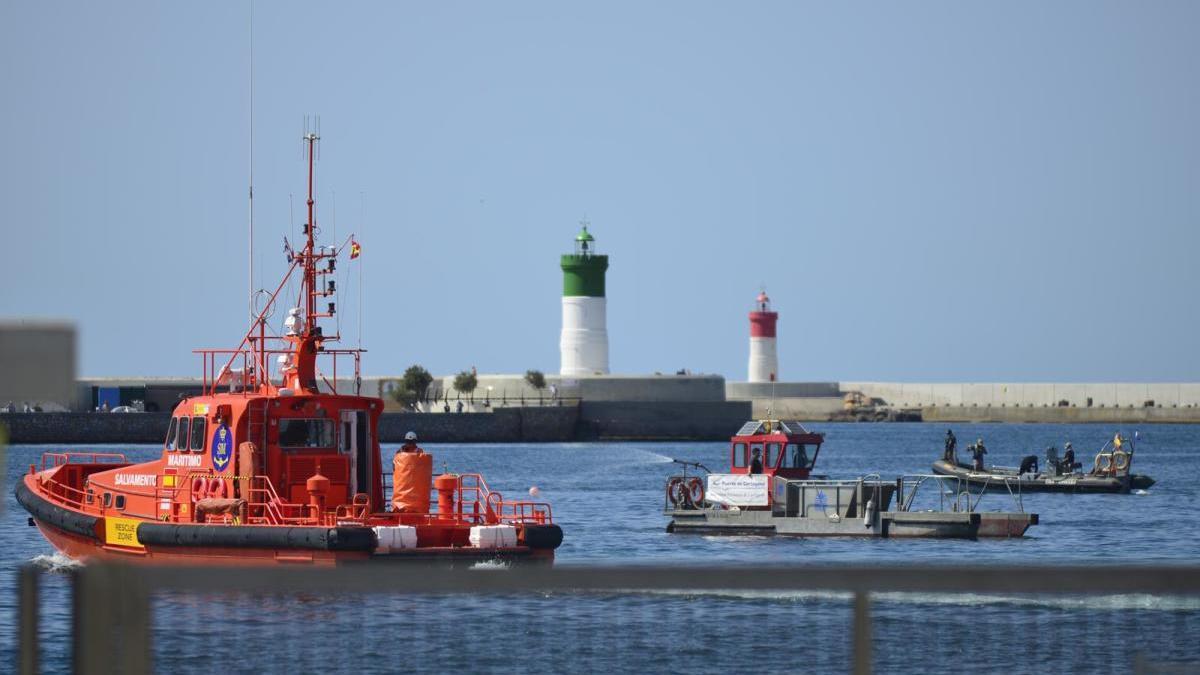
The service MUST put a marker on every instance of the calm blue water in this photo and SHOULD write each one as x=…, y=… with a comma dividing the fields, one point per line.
x=608, y=499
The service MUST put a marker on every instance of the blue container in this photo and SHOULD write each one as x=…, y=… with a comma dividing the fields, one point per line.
x=109, y=395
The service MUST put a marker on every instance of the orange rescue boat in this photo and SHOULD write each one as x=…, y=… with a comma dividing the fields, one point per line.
x=269, y=468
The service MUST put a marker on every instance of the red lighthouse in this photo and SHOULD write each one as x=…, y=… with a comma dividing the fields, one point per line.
x=764, y=363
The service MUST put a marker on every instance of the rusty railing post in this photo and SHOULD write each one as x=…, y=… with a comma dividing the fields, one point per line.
x=862, y=633
x=28, y=620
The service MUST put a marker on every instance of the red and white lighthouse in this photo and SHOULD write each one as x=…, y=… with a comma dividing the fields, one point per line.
x=764, y=363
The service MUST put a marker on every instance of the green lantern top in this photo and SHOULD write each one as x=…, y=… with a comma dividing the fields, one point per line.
x=583, y=271
x=585, y=243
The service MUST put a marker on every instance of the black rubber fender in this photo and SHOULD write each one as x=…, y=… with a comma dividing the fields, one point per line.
x=47, y=512
x=249, y=536
x=543, y=536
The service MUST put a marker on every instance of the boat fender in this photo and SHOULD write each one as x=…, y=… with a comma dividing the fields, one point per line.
x=51, y=514
x=869, y=514
x=543, y=536
x=218, y=488
x=229, y=536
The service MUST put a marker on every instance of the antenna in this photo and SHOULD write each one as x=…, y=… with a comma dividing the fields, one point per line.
x=251, y=299
x=362, y=226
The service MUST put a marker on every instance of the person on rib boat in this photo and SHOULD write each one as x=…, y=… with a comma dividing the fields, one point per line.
x=977, y=453
x=950, y=453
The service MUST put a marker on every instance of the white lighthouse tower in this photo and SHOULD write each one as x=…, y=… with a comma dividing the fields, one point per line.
x=764, y=363
x=584, y=342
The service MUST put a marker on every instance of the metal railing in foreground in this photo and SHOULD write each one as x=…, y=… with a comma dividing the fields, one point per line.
x=112, y=624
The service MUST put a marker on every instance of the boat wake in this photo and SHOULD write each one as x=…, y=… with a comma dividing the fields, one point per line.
x=491, y=565
x=55, y=563
x=1139, y=492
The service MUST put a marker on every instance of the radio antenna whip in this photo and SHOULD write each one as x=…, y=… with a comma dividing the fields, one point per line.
x=253, y=313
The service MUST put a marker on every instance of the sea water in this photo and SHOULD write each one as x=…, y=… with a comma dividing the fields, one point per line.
x=608, y=498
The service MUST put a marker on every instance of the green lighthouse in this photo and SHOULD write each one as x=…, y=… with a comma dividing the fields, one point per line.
x=584, y=342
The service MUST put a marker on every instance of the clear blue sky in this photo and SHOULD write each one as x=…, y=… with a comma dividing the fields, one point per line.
x=929, y=191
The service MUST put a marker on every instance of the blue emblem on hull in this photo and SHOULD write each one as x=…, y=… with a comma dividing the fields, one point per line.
x=222, y=447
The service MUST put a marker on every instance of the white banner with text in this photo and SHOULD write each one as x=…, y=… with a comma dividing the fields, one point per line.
x=738, y=489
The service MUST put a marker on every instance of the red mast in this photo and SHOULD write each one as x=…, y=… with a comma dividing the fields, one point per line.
x=302, y=375
x=303, y=339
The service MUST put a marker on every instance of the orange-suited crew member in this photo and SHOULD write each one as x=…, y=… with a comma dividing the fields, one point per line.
x=412, y=477
x=410, y=443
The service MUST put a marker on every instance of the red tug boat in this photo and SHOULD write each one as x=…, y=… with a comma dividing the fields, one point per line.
x=283, y=469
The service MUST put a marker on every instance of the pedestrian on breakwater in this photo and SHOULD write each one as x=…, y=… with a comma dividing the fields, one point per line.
x=977, y=452
x=951, y=448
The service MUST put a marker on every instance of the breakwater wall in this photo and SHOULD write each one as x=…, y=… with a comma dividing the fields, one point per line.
x=597, y=421
x=71, y=428
x=1060, y=415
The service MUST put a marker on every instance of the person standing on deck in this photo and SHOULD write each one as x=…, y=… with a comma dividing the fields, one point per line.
x=1068, y=460
x=756, y=462
x=951, y=447
x=977, y=453
x=410, y=443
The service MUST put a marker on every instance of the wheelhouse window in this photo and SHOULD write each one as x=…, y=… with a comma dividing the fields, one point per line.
x=305, y=433
x=170, y=442
x=739, y=455
x=107, y=499
x=772, y=457
x=181, y=434
x=198, y=424
x=799, y=457
x=120, y=502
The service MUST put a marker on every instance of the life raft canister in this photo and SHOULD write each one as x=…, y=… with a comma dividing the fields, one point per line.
x=412, y=479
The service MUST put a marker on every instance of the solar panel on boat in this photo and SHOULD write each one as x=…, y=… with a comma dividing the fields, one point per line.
x=749, y=429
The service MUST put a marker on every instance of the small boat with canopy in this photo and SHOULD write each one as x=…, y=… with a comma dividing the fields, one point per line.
x=770, y=490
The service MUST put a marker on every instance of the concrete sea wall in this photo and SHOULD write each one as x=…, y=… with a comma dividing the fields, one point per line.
x=1061, y=415
x=1010, y=394
x=71, y=428
x=649, y=421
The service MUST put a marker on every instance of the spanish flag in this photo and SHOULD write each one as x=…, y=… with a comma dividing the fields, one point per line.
x=355, y=249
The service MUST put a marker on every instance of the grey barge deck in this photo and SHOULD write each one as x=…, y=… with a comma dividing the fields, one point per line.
x=856, y=508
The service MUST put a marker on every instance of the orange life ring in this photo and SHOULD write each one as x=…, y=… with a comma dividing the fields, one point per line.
x=685, y=493
x=1120, y=460
x=199, y=489
x=695, y=491
x=217, y=487
x=675, y=491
